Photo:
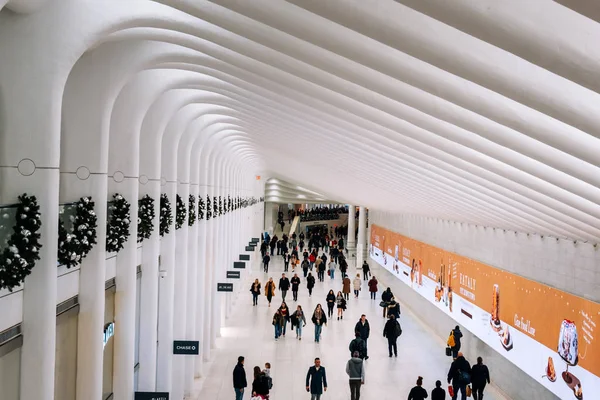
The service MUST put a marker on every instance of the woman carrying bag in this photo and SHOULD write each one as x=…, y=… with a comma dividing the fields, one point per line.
x=319, y=319
x=341, y=305
x=255, y=290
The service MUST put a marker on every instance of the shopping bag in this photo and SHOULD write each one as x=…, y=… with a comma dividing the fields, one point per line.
x=448, y=351
x=450, y=391
x=469, y=391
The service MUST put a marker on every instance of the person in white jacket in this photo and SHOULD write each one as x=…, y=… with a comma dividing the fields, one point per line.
x=357, y=282
x=356, y=374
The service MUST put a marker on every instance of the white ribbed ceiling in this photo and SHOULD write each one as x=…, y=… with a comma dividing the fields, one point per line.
x=281, y=191
x=485, y=112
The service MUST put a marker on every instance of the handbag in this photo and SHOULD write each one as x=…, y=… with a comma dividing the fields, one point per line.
x=448, y=351
x=383, y=304
x=450, y=390
x=469, y=391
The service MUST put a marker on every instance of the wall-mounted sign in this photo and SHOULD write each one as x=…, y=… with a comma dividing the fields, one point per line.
x=224, y=287
x=151, y=396
x=244, y=257
x=109, y=331
x=250, y=248
x=255, y=240
x=239, y=264
x=188, y=347
x=252, y=244
x=233, y=274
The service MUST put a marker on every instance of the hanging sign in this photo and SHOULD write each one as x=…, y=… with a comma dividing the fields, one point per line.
x=187, y=347
x=255, y=240
x=239, y=264
x=250, y=248
x=233, y=274
x=224, y=287
x=151, y=396
x=244, y=257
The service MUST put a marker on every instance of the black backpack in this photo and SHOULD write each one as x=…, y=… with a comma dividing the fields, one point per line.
x=397, y=329
x=358, y=345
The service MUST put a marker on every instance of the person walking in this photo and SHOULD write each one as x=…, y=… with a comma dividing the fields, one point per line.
x=343, y=265
x=285, y=313
x=278, y=322
x=321, y=266
x=366, y=270
x=316, y=380
x=346, y=287
x=373, y=287
x=356, y=375
x=270, y=290
x=305, y=266
x=394, y=308
x=332, y=267
x=386, y=298
x=363, y=327
x=341, y=305
x=295, y=285
x=286, y=261
x=358, y=345
x=266, y=260
x=480, y=376
x=356, y=283
x=255, y=290
x=319, y=319
x=460, y=376
x=330, y=299
x=417, y=392
x=310, y=283
x=239, y=379
x=263, y=248
x=438, y=393
x=299, y=320
x=273, y=244
x=260, y=384
x=284, y=285
x=301, y=245
x=454, y=341
x=392, y=331
x=312, y=258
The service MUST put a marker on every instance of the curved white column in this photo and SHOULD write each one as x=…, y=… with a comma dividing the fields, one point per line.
x=361, y=245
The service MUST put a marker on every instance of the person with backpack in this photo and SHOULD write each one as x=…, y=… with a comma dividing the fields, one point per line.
x=363, y=327
x=310, y=283
x=480, y=376
x=393, y=308
x=356, y=373
x=460, y=376
x=357, y=344
x=392, y=331
x=454, y=341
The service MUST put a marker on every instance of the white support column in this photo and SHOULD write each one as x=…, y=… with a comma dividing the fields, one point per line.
x=125, y=297
x=351, y=241
x=202, y=294
x=361, y=246
x=192, y=295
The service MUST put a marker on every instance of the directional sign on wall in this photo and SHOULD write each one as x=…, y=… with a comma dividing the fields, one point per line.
x=250, y=248
x=244, y=257
x=233, y=274
x=255, y=240
x=187, y=347
x=224, y=287
x=151, y=396
x=239, y=264
x=252, y=244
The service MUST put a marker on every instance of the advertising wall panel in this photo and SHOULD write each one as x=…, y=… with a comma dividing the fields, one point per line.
x=547, y=333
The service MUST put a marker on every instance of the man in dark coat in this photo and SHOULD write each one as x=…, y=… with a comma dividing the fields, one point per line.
x=362, y=327
x=480, y=376
x=266, y=261
x=366, y=270
x=460, y=376
x=316, y=380
x=239, y=379
x=457, y=335
x=284, y=285
x=359, y=345
x=391, y=331
x=295, y=285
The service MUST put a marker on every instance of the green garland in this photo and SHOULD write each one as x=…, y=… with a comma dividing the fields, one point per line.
x=75, y=245
x=166, y=217
x=117, y=228
x=208, y=208
x=23, y=246
x=180, y=213
x=200, y=208
x=145, y=218
x=192, y=207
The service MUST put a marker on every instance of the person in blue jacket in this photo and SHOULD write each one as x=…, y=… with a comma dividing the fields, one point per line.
x=316, y=380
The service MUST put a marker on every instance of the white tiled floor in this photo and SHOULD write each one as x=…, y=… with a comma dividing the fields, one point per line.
x=249, y=333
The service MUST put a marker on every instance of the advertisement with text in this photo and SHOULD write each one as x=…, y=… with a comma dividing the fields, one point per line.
x=547, y=333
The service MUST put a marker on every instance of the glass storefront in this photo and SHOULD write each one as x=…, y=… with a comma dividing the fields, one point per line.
x=66, y=355
x=109, y=318
x=10, y=372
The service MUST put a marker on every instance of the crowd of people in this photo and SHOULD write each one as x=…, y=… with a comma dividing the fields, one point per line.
x=462, y=378
x=322, y=213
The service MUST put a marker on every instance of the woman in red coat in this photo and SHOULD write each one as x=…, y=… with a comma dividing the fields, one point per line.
x=373, y=287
